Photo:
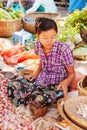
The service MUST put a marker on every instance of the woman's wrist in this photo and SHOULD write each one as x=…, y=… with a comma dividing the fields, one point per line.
x=36, y=75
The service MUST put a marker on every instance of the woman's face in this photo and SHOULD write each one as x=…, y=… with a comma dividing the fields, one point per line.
x=47, y=38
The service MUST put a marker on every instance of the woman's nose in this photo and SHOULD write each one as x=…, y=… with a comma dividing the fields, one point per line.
x=49, y=40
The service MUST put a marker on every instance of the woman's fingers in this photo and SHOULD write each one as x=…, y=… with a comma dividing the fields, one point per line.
x=58, y=87
x=65, y=90
x=29, y=77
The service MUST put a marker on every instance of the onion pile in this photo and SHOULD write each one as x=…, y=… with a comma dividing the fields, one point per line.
x=12, y=117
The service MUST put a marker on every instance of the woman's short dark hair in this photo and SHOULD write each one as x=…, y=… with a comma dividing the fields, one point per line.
x=45, y=24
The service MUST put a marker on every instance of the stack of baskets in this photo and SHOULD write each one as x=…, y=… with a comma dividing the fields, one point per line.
x=8, y=27
x=28, y=26
x=81, y=86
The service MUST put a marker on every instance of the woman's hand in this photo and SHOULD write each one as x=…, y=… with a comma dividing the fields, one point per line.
x=30, y=77
x=63, y=86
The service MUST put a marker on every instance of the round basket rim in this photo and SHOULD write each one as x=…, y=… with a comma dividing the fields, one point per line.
x=79, y=84
x=8, y=27
x=36, y=13
x=61, y=112
x=30, y=26
x=77, y=120
x=81, y=90
x=11, y=20
x=81, y=81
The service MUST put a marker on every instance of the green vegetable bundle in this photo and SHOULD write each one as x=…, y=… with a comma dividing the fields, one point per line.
x=77, y=19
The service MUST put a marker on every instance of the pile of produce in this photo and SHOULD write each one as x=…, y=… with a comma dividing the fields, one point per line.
x=74, y=33
x=77, y=19
x=72, y=26
x=9, y=14
x=82, y=110
x=14, y=54
x=12, y=117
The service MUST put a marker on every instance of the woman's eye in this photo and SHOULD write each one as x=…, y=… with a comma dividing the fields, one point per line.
x=45, y=38
x=52, y=38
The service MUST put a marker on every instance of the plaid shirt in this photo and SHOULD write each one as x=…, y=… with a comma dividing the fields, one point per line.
x=54, y=64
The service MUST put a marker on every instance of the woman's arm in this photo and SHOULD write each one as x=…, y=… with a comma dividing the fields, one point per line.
x=39, y=69
x=65, y=83
x=34, y=76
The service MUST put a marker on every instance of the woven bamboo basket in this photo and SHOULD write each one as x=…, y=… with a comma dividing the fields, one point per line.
x=71, y=109
x=30, y=26
x=72, y=125
x=8, y=27
x=81, y=85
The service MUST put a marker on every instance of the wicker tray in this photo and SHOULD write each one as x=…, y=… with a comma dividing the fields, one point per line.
x=72, y=125
x=7, y=28
x=71, y=107
x=78, y=57
x=79, y=52
x=81, y=84
x=30, y=26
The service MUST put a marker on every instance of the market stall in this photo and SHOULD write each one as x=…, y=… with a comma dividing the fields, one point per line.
x=18, y=58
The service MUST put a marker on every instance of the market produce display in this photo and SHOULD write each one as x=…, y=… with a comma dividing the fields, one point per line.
x=82, y=110
x=74, y=31
x=12, y=117
x=10, y=21
x=72, y=25
x=77, y=19
x=9, y=14
x=76, y=110
x=21, y=118
x=14, y=54
x=23, y=56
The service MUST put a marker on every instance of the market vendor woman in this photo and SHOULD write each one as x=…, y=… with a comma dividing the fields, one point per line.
x=55, y=71
x=57, y=64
